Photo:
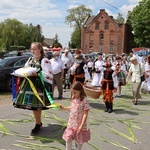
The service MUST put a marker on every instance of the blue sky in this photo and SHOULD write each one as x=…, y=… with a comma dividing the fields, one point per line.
x=50, y=14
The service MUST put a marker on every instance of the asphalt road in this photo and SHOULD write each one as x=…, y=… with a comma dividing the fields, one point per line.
x=127, y=128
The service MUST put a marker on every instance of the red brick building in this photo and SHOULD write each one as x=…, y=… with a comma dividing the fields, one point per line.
x=48, y=42
x=102, y=33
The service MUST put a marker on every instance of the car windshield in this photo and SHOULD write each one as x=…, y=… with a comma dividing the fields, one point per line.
x=4, y=61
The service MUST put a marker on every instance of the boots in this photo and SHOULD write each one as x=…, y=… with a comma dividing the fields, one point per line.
x=36, y=128
x=107, y=106
x=110, y=108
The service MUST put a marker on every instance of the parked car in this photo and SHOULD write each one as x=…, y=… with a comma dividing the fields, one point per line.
x=49, y=55
x=7, y=66
x=27, y=54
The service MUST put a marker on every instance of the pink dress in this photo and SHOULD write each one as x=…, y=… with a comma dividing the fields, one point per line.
x=75, y=118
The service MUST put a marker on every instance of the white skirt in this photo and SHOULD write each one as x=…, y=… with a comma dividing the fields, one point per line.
x=96, y=79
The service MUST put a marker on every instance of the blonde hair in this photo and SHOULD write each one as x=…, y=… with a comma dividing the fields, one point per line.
x=39, y=46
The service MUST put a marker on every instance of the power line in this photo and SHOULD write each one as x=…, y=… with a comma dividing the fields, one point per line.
x=112, y=6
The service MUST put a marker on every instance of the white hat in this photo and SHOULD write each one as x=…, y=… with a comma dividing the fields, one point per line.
x=133, y=58
x=66, y=50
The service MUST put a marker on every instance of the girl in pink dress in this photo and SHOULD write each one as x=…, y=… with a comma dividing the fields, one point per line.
x=77, y=124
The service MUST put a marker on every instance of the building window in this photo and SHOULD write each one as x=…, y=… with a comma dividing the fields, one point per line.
x=111, y=48
x=97, y=26
x=100, y=48
x=106, y=25
x=101, y=36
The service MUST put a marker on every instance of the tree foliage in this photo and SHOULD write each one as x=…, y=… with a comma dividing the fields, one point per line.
x=56, y=42
x=75, y=19
x=13, y=32
x=140, y=19
x=75, y=40
x=120, y=18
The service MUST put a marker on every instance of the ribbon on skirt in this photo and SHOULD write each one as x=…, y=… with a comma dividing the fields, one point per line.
x=14, y=92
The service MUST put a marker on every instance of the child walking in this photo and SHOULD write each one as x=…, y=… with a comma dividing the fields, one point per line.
x=108, y=84
x=77, y=124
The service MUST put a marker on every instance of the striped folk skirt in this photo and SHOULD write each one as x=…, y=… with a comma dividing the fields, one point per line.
x=26, y=99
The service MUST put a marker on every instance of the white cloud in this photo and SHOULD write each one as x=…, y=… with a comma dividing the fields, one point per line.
x=126, y=8
x=134, y=1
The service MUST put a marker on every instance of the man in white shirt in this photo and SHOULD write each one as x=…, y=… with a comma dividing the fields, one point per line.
x=58, y=72
x=90, y=65
x=67, y=60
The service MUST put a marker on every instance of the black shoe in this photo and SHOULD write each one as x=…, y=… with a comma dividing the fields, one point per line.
x=110, y=111
x=110, y=108
x=60, y=97
x=107, y=106
x=135, y=103
x=106, y=110
x=36, y=128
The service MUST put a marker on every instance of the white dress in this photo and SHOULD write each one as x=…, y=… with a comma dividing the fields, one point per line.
x=96, y=79
x=147, y=70
x=87, y=74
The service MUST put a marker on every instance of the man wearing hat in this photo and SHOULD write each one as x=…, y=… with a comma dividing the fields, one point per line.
x=108, y=85
x=78, y=69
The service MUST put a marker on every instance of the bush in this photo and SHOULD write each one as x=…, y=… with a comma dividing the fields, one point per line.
x=15, y=47
x=1, y=54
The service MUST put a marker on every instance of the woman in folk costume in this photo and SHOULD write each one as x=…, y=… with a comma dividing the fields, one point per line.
x=108, y=85
x=78, y=69
x=147, y=70
x=120, y=69
x=36, y=97
x=98, y=70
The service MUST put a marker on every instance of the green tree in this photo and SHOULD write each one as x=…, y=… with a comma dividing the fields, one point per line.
x=75, y=19
x=13, y=32
x=120, y=18
x=75, y=40
x=56, y=42
x=140, y=19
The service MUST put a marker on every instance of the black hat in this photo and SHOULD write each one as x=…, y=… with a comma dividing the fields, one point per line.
x=118, y=57
x=99, y=54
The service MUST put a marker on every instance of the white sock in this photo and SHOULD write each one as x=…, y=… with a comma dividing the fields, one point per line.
x=69, y=145
x=79, y=146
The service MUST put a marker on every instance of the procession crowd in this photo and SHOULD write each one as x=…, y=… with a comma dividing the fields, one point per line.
x=107, y=73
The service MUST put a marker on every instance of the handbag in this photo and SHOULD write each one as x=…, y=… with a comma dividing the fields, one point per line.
x=144, y=88
x=142, y=77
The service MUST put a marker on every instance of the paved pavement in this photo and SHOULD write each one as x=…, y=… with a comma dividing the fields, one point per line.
x=127, y=128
